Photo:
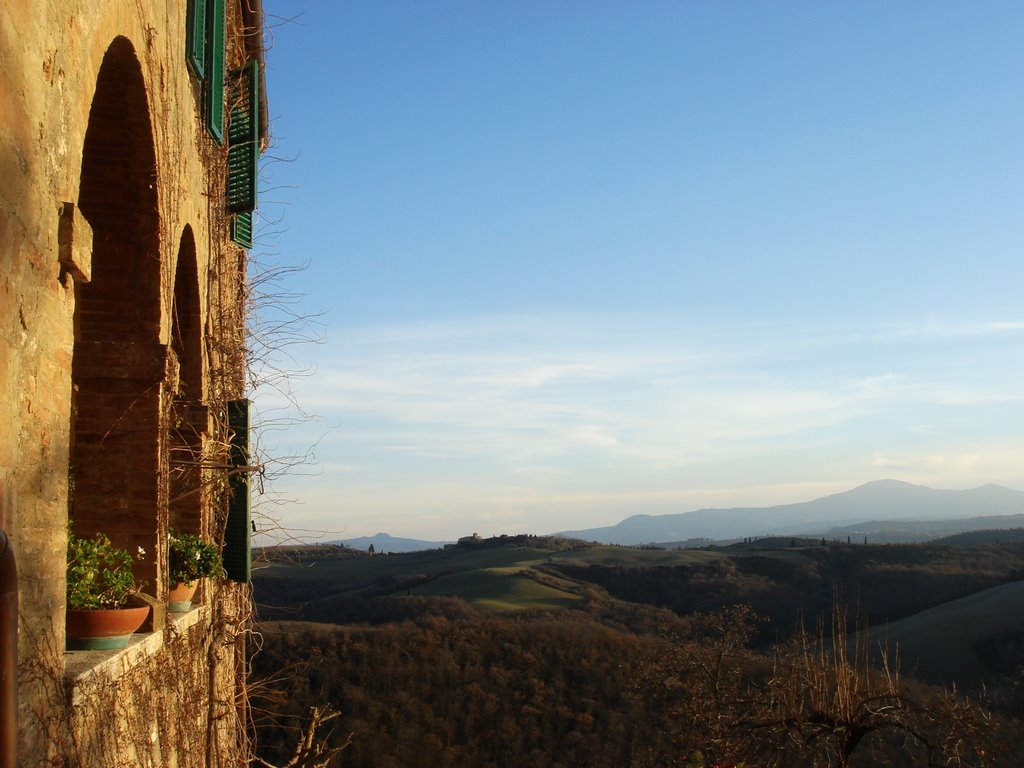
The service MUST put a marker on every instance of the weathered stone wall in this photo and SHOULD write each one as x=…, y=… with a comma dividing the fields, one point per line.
x=169, y=701
x=125, y=231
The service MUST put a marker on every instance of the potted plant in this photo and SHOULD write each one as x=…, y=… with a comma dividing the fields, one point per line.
x=102, y=608
x=190, y=559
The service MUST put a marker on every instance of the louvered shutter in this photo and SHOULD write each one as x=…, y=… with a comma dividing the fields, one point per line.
x=241, y=229
x=244, y=140
x=237, y=534
x=195, y=41
x=215, y=69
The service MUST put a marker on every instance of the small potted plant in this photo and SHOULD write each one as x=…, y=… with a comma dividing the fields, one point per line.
x=102, y=608
x=190, y=558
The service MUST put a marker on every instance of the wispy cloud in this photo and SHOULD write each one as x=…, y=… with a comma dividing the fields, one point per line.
x=551, y=406
x=953, y=330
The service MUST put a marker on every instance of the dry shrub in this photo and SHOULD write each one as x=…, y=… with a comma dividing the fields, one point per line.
x=814, y=701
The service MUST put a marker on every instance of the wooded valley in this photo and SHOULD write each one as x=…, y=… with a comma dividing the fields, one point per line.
x=527, y=651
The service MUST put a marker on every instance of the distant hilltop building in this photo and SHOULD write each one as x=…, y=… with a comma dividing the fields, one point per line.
x=466, y=541
x=129, y=144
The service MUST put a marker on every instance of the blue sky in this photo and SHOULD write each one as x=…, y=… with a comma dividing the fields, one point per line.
x=582, y=260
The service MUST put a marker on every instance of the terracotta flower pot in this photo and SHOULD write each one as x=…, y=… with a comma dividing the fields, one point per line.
x=179, y=596
x=94, y=629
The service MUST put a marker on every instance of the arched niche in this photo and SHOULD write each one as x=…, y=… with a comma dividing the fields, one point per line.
x=187, y=321
x=119, y=366
x=190, y=416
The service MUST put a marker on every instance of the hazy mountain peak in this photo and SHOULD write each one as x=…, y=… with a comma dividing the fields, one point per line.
x=886, y=499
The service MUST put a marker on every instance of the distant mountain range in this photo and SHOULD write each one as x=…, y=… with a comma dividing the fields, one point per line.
x=841, y=514
x=383, y=543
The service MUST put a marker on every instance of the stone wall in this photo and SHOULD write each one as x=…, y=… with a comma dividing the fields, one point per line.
x=107, y=179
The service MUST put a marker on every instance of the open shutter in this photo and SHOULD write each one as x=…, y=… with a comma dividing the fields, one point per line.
x=215, y=69
x=241, y=229
x=237, y=535
x=244, y=140
x=195, y=41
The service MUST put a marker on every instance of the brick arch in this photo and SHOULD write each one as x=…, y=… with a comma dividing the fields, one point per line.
x=118, y=196
x=187, y=425
x=186, y=318
x=119, y=367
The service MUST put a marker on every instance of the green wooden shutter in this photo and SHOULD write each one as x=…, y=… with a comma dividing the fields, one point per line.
x=237, y=535
x=244, y=140
x=195, y=40
x=241, y=229
x=215, y=69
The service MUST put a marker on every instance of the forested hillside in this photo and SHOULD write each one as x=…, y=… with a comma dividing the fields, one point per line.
x=882, y=583
x=541, y=691
x=591, y=668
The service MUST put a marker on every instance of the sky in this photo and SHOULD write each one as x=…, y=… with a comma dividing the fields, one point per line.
x=566, y=262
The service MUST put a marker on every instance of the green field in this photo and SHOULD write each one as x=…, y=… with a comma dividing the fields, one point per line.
x=355, y=572
x=499, y=590
x=505, y=578
x=941, y=644
x=637, y=558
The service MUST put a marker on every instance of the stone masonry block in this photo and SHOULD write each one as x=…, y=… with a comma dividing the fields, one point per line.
x=74, y=238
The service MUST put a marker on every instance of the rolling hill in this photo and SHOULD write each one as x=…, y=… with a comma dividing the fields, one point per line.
x=954, y=642
x=565, y=648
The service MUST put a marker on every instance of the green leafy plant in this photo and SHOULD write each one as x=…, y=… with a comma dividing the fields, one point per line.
x=192, y=558
x=99, y=574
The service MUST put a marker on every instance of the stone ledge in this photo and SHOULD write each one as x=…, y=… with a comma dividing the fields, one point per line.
x=82, y=667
